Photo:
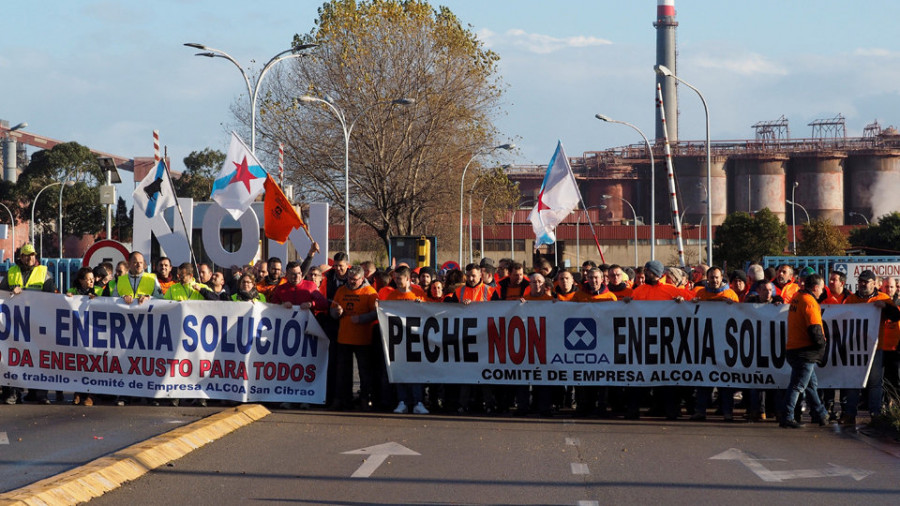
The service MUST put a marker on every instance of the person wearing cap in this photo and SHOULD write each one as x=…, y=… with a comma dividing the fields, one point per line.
x=805, y=347
x=27, y=274
x=136, y=284
x=739, y=284
x=426, y=276
x=888, y=338
x=654, y=289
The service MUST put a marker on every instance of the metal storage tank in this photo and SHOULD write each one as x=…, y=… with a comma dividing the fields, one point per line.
x=820, y=185
x=872, y=183
x=619, y=182
x=757, y=180
x=690, y=173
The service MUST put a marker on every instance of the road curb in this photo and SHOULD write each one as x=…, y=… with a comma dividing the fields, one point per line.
x=108, y=473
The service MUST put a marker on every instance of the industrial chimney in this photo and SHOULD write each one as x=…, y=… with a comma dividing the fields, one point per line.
x=665, y=55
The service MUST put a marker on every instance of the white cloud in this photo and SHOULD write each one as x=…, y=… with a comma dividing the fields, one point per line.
x=875, y=51
x=537, y=42
x=747, y=65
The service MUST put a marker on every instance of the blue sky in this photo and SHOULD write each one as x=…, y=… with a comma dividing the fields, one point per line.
x=107, y=73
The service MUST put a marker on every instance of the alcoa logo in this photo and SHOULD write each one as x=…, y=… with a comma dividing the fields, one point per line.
x=581, y=333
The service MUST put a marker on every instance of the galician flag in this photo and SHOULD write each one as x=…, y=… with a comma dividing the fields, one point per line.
x=559, y=197
x=154, y=195
x=240, y=181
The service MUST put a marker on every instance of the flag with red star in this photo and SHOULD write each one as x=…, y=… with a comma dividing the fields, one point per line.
x=240, y=181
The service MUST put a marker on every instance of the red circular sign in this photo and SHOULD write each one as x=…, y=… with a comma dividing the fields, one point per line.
x=105, y=251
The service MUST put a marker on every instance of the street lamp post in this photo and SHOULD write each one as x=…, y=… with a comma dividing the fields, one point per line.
x=802, y=209
x=59, y=217
x=634, y=219
x=253, y=92
x=601, y=117
x=663, y=70
x=794, y=215
x=12, y=220
x=342, y=118
x=462, y=182
x=34, y=204
x=863, y=216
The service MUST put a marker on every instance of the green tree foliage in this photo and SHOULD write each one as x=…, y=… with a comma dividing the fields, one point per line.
x=405, y=161
x=881, y=238
x=81, y=209
x=822, y=238
x=202, y=168
x=743, y=238
x=124, y=222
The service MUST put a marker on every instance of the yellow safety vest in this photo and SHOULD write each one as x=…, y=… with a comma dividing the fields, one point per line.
x=259, y=298
x=145, y=286
x=179, y=292
x=35, y=279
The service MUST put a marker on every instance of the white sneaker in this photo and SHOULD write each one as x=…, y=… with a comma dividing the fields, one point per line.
x=420, y=409
x=401, y=408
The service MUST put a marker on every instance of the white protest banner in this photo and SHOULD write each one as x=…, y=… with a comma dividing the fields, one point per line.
x=615, y=343
x=237, y=351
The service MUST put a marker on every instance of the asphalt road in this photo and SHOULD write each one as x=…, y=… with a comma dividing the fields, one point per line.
x=42, y=441
x=300, y=457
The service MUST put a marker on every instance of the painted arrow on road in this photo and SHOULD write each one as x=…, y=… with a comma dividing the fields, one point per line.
x=766, y=474
x=377, y=455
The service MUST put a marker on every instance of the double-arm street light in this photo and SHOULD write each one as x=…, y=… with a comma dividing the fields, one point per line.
x=348, y=129
x=252, y=92
x=462, y=189
x=607, y=119
x=634, y=218
x=863, y=216
x=34, y=204
x=664, y=71
x=794, y=214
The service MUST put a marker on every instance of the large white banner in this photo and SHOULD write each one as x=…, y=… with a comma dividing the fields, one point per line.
x=615, y=343
x=194, y=349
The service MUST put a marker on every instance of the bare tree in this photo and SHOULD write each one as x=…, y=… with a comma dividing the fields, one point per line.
x=404, y=159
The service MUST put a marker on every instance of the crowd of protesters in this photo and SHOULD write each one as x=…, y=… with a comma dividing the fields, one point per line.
x=344, y=299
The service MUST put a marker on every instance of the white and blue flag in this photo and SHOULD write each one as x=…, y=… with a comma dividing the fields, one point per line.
x=155, y=194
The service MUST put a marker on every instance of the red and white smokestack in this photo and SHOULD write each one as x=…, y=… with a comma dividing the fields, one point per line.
x=665, y=8
x=665, y=55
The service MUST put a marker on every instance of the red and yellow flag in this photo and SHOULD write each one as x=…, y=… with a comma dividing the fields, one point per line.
x=280, y=216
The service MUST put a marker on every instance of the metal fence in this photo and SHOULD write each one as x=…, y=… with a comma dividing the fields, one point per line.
x=824, y=264
x=63, y=270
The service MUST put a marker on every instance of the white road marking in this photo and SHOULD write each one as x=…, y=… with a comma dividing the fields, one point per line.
x=767, y=474
x=588, y=503
x=4, y=440
x=579, y=468
x=377, y=455
x=572, y=441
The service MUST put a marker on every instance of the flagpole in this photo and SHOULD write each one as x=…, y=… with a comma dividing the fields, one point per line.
x=180, y=213
x=670, y=175
x=593, y=232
